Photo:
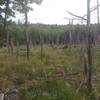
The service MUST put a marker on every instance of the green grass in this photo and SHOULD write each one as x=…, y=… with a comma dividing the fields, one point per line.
x=36, y=79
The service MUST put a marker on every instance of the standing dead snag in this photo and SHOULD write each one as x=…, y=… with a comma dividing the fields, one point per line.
x=89, y=46
x=89, y=50
x=98, y=11
x=98, y=25
x=85, y=71
x=26, y=32
x=41, y=43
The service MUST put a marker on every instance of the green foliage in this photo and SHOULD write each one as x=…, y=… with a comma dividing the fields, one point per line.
x=36, y=79
x=7, y=8
x=23, y=5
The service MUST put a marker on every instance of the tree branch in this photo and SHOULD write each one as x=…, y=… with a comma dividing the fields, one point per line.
x=91, y=10
x=76, y=15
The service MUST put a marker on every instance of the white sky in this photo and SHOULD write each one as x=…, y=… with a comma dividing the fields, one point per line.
x=54, y=11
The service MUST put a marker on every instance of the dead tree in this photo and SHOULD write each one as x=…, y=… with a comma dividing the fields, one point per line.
x=89, y=45
x=89, y=50
x=70, y=33
x=98, y=11
x=98, y=30
x=26, y=34
x=41, y=43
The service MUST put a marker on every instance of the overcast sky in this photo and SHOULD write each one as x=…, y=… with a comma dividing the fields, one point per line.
x=54, y=11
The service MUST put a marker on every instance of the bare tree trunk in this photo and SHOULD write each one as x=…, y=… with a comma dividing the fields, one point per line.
x=8, y=42
x=98, y=30
x=41, y=39
x=27, y=45
x=17, y=50
x=70, y=33
x=11, y=46
x=89, y=50
x=98, y=11
x=26, y=34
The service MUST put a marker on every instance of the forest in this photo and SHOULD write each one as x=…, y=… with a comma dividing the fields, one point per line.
x=48, y=62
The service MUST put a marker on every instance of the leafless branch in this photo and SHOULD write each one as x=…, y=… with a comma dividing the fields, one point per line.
x=91, y=10
x=76, y=15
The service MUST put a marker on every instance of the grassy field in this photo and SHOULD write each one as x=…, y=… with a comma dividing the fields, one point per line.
x=56, y=75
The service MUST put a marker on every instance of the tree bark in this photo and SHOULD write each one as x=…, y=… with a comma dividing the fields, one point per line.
x=41, y=39
x=89, y=50
x=98, y=11
x=26, y=33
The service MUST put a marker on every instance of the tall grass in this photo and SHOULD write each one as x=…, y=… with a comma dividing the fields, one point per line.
x=36, y=79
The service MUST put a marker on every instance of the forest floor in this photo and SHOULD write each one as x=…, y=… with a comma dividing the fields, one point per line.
x=53, y=73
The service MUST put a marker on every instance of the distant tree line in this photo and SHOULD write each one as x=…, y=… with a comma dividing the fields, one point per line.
x=28, y=34
x=51, y=34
